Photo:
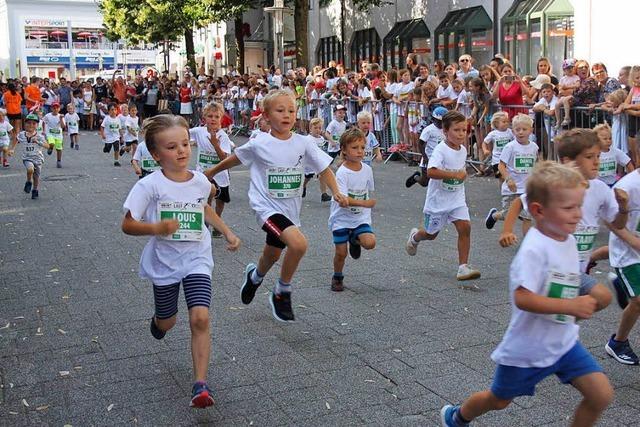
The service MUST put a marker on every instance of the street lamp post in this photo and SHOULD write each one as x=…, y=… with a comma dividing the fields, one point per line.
x=278, y=10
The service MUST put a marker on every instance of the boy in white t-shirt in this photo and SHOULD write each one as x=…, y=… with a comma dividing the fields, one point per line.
x=54, y=123
x=276, y=165
x=143, y=162
x=446, y=200
x=72, y=122
x=430, y=137
x=131, y=131
x=335, y=129
x=496, y=140
x=111, y=132
x=315, y=135
x=516, y=163
x=372, y=147
x=352, y=224
x=611, y=157
x=547, y=106
x=6, y=137
x=445, y=95
x=542, y=337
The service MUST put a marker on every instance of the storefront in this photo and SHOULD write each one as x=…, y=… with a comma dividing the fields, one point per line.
x=532, y=29
x=365, y=46
x=404, y=38
x=465, y=31
x=329, y=49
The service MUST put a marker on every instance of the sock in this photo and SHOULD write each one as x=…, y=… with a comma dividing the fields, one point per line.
x=256, y=277
x=458, y=419
x=413, y=240
x=338, y=275
x=282, y=288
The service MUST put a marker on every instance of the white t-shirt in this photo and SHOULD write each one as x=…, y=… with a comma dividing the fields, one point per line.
x=5, y=132
x=132, y=123
x=445, y=195
x=321, y=143
x=499, y=139
x=276, y=170
x=431, y=136
x=111, y=129
x=569, y=80
x=446, y=92
x=72, y=121
x=519, y=160
x=464, y=103
x=336, y=129
x=535, y=340
x=357, y=185
x=609, y=162
x=392, y=88
x=164, y=261
x=207, y=156
x=145, y=159
x=549, y=105
x=403, y=89
x=366, y=94
x=621, y=254
x=53, y=124
x=371, y=144
x=123, y=121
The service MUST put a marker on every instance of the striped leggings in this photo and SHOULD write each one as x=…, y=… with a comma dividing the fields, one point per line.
x=197, y=292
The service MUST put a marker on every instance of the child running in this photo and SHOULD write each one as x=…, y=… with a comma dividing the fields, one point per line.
x=496, y=140
x=214, y=146
x=542, y=337
x=170, y=206
x=276, y=163
x=111, y=131
x=54, y=123
x=131, y=129
x=6, y=137
x=516, y=163
x=372, y=147
x=32, y=156
x=430, y=137
x=352, y=224
x=72, y=122
x=446, y=201
x=315, y=135
x=334, y=131
x=610, y=157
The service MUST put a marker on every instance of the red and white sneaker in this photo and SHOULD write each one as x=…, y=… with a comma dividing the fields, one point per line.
x=201, y=395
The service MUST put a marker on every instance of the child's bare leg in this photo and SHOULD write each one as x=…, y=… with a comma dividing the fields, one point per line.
x=367, y=240
x=219, y=207
x=567, y=109
x=599, y=254
x=463, y=227
x=597, y=395
x=36, y=181
x=200, y=341
x=165, y=324
x=602, y=295
x=270, y=255
x=323, y=187
x=30, y=175
x=629, y=318
x=59, y=155
x=296, y=248
x=339, y=257
x=480, y=403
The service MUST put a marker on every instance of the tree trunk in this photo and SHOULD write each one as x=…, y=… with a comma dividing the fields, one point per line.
x=190, y=48
x=237, y=22
x=301, y=21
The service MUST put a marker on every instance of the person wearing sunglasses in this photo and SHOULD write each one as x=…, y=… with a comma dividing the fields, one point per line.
x=465, y=62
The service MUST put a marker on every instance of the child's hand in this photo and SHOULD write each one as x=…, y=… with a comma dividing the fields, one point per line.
x=10, y=153
x=342, y=200
x=485, y=151
x=370, y=203
x=511, y=184
x=583, y=307
x=507, y=239
x=379, y=157
x=622, y=198
x=233, y=242
x=138, y=171
x=461, y=175
x=166, y=227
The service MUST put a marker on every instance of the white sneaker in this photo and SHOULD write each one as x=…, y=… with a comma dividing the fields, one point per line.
x=465, y=272
x=410, y=247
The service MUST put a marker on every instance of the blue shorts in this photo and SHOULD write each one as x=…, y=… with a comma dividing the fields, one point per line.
x=197, y=292
x=512, y=381
x=343, y=235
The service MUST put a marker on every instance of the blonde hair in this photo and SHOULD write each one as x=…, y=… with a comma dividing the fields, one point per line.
x=497, y=116
x=575, y=141
x=273, y=95
x=350, y=136
x=213, y=107
x=617, y=97
x=603, y=126
x=152, y=126
x=364, y=115
x=522, y=119
x=634, y=70
x=547, y=177
x=315, y=121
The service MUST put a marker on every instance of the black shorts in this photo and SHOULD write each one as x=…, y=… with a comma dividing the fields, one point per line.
x=14, y=116
x=633, y=126
x=333, y=154
x=144, y=173
x=309, y=175
x=274, y=226
x=496, y=171
x=130, y=143
x=222, y=193
x=109, y=145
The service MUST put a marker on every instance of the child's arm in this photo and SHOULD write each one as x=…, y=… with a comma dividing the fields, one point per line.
x=327, y=177
x=136, y=167
x=102, y=135
x=487, y=146
x=629, y=167
x=580, y=307
x=216, y=146
x=377, y=154
x=628, y=237
x=138, y=228
x=228, y=163
x=508, y=237
x=212, y=218
x=435, y=173
x=620, y=221
x=504, y=173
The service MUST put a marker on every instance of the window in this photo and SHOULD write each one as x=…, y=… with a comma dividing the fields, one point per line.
x=481, y=46
x=535, y=45
x=365, y=46
x=560, y=40
x=456, y=34
x=329, y=49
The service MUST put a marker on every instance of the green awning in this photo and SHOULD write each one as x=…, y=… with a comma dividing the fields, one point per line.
x=462, y=19
x=412, y=29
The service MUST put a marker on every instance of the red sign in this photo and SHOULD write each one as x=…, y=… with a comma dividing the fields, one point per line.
x=218, y=56
x=422, y=50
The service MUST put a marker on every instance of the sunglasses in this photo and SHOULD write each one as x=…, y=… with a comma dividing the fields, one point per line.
x=464, y=60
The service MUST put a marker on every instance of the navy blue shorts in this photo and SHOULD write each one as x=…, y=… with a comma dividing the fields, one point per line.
x=512, y=381
x=343, y=235
x=197, y=292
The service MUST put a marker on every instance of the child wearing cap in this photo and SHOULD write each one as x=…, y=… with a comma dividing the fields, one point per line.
x=54, y=123
x=569, y=82
x=32, y=157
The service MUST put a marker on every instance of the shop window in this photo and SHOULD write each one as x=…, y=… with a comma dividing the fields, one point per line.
x=481, y=47
x=404, y=38
x=329, y=49
x=560, y=40
x=458, y=30
x=365, y=46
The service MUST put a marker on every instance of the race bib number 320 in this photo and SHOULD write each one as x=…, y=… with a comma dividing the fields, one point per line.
x=190, y=216
x=284, y=183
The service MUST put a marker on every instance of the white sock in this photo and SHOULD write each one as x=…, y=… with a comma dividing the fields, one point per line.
x=256, y=278
x=282, y=287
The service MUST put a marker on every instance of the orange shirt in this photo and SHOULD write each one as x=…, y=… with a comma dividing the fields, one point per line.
x=119, y=91
x=33, y=92
x=12, y=102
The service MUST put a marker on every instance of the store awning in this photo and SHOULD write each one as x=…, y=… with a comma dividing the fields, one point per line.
x=523, y=9
x=415, y=28
x=463, y=19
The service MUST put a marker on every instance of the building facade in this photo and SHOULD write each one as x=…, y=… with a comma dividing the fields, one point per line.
x=54, y=38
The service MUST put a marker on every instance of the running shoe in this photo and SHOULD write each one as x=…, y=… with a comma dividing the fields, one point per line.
x=201, y=395
x=71, y=144
x=155, y=331
x=281, y=307
x=354, y=249
x=410, y=247
x=325, y=197
x=34, y=194
x=116, y=163
x=618, y=288
x=58, y=164
x=490, y=221
x=466, y=272
x=248, y=289
x=411, y=180
x=446, y=416
x=337, y=284
x=621, y=351
x=27, y=187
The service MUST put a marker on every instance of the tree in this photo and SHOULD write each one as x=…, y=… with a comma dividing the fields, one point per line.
x=154, y=21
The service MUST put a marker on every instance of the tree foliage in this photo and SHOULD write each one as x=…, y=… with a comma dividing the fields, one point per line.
x=361, y=5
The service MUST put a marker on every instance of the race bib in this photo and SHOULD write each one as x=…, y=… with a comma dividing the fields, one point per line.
x=208, y=159
x=524, y=163
x=284, y=183
x=368, y=155
x=608, y=168
x=564, y=286
x=55, y=131
x=357, y=195
x=3, y=133
x=189, y=215
x=30, y=148
x=114, y=127
x=585, y=237
x=149, y=164
x=501, y=142
x=452, y=184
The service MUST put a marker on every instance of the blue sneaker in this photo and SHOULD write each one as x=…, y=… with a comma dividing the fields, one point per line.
x=490, y=221
x=621, y=351
x=446, y=416
x=201, y=395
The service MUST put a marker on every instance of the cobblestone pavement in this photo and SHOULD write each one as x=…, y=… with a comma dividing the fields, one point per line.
x=401, y=341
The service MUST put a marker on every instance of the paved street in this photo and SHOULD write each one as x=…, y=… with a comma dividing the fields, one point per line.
x=402, y=340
